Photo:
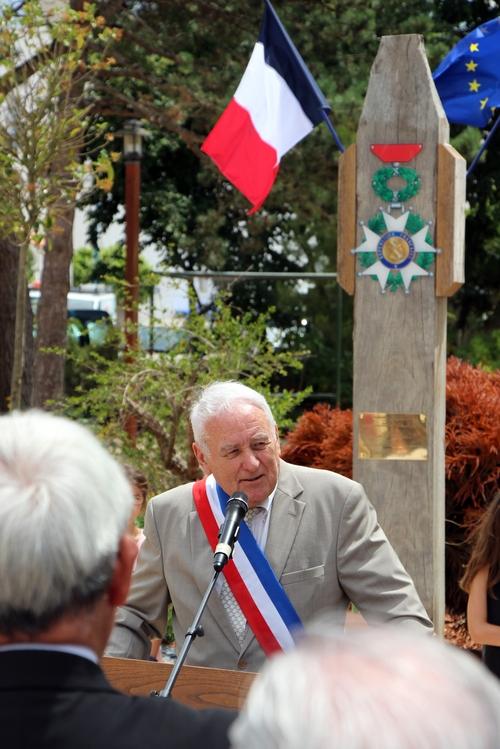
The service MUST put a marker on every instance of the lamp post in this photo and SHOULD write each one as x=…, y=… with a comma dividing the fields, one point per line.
x=132, y=134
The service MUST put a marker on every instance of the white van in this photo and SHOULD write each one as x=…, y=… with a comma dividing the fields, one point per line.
x=82, y=300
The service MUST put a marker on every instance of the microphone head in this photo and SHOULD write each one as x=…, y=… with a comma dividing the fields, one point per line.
x=241, y=498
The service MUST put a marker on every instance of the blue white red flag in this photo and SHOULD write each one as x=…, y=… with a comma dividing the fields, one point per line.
x=260, y=595
x=276, y=104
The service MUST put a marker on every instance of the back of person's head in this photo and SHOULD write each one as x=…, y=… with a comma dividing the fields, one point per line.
x=221, y=397
x=64, y=505
x=371, y=689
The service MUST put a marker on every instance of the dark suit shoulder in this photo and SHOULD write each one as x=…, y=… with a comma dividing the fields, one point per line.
x=162, y=723
x=56, y=701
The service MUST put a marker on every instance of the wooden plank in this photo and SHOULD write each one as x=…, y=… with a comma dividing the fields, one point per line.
x=196, y=686
x=400, y=339
x=346, y=226
x=450, y=220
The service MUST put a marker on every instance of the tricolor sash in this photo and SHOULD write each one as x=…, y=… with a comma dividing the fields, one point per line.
x=260, y=595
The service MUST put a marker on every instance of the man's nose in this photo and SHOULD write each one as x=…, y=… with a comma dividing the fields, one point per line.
x=250, y=460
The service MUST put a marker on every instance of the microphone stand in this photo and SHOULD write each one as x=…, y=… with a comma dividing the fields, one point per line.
x=195, y=630
x=228, y=536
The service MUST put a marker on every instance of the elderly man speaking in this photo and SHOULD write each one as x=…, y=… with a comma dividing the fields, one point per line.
x=313, y=543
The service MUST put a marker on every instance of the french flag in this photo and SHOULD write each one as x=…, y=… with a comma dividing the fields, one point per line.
x=277, y=103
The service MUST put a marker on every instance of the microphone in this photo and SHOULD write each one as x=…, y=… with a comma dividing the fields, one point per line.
x=236, y=509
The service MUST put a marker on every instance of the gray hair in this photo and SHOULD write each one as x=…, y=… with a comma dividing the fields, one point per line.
x=64, y=505
x=221, y=397
x=371, y=689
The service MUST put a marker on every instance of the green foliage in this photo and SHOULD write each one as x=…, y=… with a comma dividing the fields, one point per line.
x=194, y=218
x=483, y=350
x=46, y=115
x=108, y=266
x=157, y=391
x=83, y=265
x=43, y=132
x=83, y=348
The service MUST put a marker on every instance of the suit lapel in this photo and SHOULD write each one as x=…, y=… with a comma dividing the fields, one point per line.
x=286, y=514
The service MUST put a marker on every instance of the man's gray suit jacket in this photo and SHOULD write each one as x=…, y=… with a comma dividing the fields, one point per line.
x=324, y=545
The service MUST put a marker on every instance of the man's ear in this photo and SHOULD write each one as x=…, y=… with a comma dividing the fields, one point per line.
x=200, y=457
x=124, y=564
x=277, y=438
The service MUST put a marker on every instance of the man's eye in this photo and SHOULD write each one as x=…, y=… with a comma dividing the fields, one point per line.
x=261, y=445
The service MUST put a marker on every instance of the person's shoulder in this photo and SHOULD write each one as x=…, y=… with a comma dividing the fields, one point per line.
x=181, y=725
x=319, y=477
x=178, y=495
x=158, y=722
x=481, y=576
x=172, y=504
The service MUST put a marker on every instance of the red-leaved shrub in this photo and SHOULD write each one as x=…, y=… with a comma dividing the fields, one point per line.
x=323, y=439
x=472, y=462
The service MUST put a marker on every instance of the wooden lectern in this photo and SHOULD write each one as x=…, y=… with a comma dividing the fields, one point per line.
x=196, y=686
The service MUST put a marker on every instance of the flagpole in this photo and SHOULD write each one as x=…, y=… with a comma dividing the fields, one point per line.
x=483, y=147
x=325, y=107
x=330, y=127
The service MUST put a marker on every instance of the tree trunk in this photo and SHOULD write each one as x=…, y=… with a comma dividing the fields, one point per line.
x=18, y=362
x=48, y=384
x=9, y=258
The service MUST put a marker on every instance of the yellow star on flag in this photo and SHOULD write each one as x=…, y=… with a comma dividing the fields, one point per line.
x=474, y=85
x=483, y=102
x=471, y=66
x=474, y=47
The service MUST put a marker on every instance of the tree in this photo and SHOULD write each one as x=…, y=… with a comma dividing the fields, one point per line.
x=108, y=266
x=42, y=136
x=8, y=274
x=180, y=83
x=159, y=390
x=197, y=221
x=191, y=215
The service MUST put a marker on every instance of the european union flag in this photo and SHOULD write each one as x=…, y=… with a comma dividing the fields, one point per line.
x=468, y=79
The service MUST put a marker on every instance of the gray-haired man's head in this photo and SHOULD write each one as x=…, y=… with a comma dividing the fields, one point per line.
x=64, y=506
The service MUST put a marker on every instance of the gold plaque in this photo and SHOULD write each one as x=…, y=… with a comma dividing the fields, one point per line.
x=392, y=436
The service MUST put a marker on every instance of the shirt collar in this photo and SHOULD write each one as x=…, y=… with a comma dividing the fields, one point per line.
x=80, y=650
x=266, y=504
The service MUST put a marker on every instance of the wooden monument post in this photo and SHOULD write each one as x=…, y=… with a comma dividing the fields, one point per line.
x=400, y=252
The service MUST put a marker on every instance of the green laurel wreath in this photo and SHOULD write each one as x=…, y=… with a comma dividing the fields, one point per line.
x=424, y=259
x=382, y=177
